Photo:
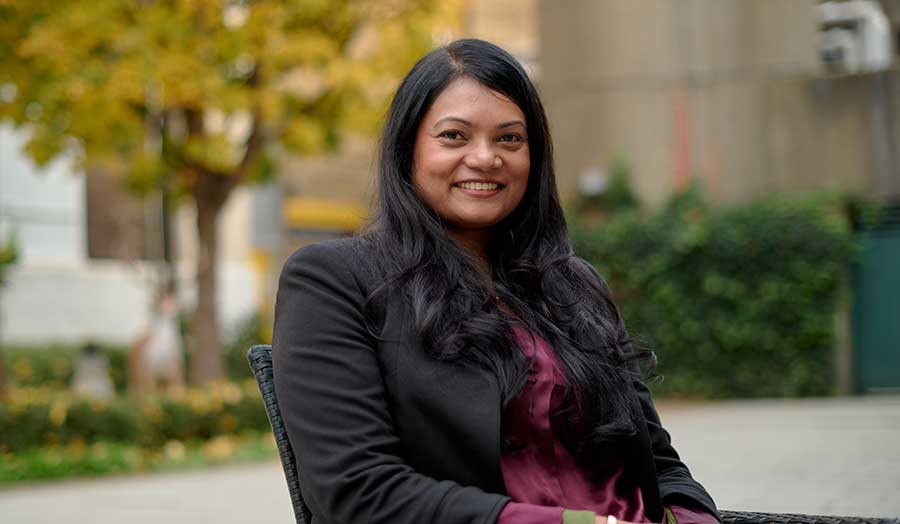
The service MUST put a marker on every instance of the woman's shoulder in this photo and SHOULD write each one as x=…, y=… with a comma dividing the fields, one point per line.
x=349, y=254
x=331, y=248
x=346, y=267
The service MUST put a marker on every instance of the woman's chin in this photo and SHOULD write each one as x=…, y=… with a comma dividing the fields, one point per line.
x=477, y=223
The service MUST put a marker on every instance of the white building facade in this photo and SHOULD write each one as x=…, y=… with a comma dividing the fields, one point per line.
x=56, y=293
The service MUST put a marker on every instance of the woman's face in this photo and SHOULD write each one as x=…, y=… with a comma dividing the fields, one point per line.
x=470, y=159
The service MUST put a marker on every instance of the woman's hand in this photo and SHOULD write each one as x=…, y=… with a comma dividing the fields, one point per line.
x=604, y=520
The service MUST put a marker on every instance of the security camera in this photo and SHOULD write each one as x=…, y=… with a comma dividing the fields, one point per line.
x=855, y=37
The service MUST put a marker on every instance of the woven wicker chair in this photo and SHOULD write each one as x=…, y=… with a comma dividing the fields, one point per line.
x=260, y=358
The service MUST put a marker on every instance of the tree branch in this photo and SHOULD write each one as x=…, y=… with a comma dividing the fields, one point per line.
x=253, y=147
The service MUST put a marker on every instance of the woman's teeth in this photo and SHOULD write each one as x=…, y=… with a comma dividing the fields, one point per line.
x=481, y=186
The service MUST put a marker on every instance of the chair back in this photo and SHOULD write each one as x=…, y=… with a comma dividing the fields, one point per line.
x=260, y=358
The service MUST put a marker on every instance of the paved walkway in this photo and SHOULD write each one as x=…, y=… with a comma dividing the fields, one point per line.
x=835, y=456
x=830, y=457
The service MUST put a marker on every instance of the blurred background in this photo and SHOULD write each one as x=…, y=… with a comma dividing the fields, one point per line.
x=731, y=166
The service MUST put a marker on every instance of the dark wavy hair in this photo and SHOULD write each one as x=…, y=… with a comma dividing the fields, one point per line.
x=534, y=271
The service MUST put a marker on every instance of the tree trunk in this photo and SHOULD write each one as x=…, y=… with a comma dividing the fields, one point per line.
x=211, y=190
x=210, y=194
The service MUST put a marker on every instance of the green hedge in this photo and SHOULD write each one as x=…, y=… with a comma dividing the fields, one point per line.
x=53, y=365
x=39, y=410
x=736, y=301
x=35, y=417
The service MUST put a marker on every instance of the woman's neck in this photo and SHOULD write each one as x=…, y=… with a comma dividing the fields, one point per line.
x=474, y=242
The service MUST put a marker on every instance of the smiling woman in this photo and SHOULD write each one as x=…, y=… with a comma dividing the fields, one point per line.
x=457, y=363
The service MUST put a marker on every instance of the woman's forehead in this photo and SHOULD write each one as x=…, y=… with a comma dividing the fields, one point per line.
x=471, y=101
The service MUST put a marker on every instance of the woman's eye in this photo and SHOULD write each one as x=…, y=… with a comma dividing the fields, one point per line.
x=511, y=138
x=451, y=135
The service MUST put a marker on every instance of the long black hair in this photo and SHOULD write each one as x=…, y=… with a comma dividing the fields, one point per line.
x=534, y=272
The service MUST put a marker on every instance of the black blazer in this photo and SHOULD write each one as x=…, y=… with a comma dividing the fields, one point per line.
x=385, y=434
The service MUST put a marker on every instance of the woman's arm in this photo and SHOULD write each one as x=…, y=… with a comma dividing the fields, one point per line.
x=681, y=515
x=335, y=410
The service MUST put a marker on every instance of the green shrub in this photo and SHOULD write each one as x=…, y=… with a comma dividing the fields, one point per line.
x=39, y=410
x=34, y=417
x=737, y=301
x=53, y=365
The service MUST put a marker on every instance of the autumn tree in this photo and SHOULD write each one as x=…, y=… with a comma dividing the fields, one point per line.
x=202, y=95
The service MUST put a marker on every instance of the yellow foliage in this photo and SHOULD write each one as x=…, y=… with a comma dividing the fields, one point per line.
x=231, y=393
x=174, y=450
x=194, y=57
x=219, y=448
x=59, y=408
x=19, y=398
x=124, y=80
x=21, y=369
x=76, y=448
x=199, y=402
x=305, y=135
x=214, y=151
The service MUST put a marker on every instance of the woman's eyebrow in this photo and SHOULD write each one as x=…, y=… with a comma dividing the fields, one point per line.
x=511, y=123
x=456, y=119
x=465, y=122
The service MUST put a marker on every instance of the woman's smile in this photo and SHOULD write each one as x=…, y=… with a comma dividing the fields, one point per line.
x=479, y=189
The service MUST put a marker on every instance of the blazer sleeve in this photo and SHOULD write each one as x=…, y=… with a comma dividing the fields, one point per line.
x=335, y=411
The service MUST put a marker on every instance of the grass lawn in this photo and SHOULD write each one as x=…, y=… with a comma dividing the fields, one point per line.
x=105, y=458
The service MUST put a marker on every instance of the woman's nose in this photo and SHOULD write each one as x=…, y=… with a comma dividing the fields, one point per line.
x=483, y=158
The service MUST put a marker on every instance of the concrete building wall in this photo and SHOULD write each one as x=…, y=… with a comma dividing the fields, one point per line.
x=730, y=91
x=511, y=24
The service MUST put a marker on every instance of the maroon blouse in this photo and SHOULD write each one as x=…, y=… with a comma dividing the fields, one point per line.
x=541, y=476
